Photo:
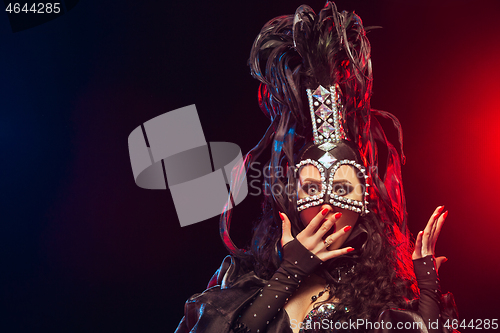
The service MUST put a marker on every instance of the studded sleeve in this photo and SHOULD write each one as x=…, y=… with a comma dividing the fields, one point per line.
x=298, y=263
x=430, y=292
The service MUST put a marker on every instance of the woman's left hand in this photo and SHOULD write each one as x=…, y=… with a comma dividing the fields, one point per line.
x=426, y=240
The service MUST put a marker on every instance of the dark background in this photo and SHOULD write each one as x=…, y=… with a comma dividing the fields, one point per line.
x=86, y=250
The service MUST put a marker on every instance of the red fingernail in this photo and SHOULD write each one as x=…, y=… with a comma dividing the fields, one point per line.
x=346, y=229
x=282, y=217
x=338, y=215
x=350, y=249
x=324, y=211
x=445, y=215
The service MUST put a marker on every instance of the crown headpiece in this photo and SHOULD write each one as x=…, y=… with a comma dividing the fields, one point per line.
x=326, y=115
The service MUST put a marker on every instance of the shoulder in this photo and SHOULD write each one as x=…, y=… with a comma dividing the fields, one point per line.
x=216, y=308
x=228, y=265
x=230, y=271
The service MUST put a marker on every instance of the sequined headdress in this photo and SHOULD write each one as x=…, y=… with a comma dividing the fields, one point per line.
x=326, y=116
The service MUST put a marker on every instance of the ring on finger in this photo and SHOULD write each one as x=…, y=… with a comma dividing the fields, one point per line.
x=327, y=243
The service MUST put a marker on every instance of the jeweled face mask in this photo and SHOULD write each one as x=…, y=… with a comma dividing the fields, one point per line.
x=329, y=152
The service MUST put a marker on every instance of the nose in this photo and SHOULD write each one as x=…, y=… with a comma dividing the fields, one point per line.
x=331, y=209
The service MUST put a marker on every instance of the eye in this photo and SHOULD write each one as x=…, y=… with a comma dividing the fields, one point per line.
x=342, y=189
x=311, y=189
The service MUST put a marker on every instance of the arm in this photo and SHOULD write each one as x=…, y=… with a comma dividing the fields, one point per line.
x=298, y=263
x=430, y=292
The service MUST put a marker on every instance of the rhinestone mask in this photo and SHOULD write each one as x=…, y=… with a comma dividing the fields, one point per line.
x=330, y=151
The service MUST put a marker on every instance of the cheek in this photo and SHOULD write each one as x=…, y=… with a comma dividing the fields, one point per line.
x=359, y=191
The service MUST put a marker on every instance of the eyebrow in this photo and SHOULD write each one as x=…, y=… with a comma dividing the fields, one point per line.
x=312, y=179
x=341, y=181
x=335, y=181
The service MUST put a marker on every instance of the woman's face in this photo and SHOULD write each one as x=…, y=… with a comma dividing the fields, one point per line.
x=345, y=183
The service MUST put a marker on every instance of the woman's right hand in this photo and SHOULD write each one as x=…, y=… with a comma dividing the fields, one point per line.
x=312, y=235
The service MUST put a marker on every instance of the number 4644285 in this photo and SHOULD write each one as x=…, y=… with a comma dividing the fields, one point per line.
x=477, y=324
x=36, y=8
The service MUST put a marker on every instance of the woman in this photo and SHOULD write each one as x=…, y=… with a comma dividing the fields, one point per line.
x=331, y=251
